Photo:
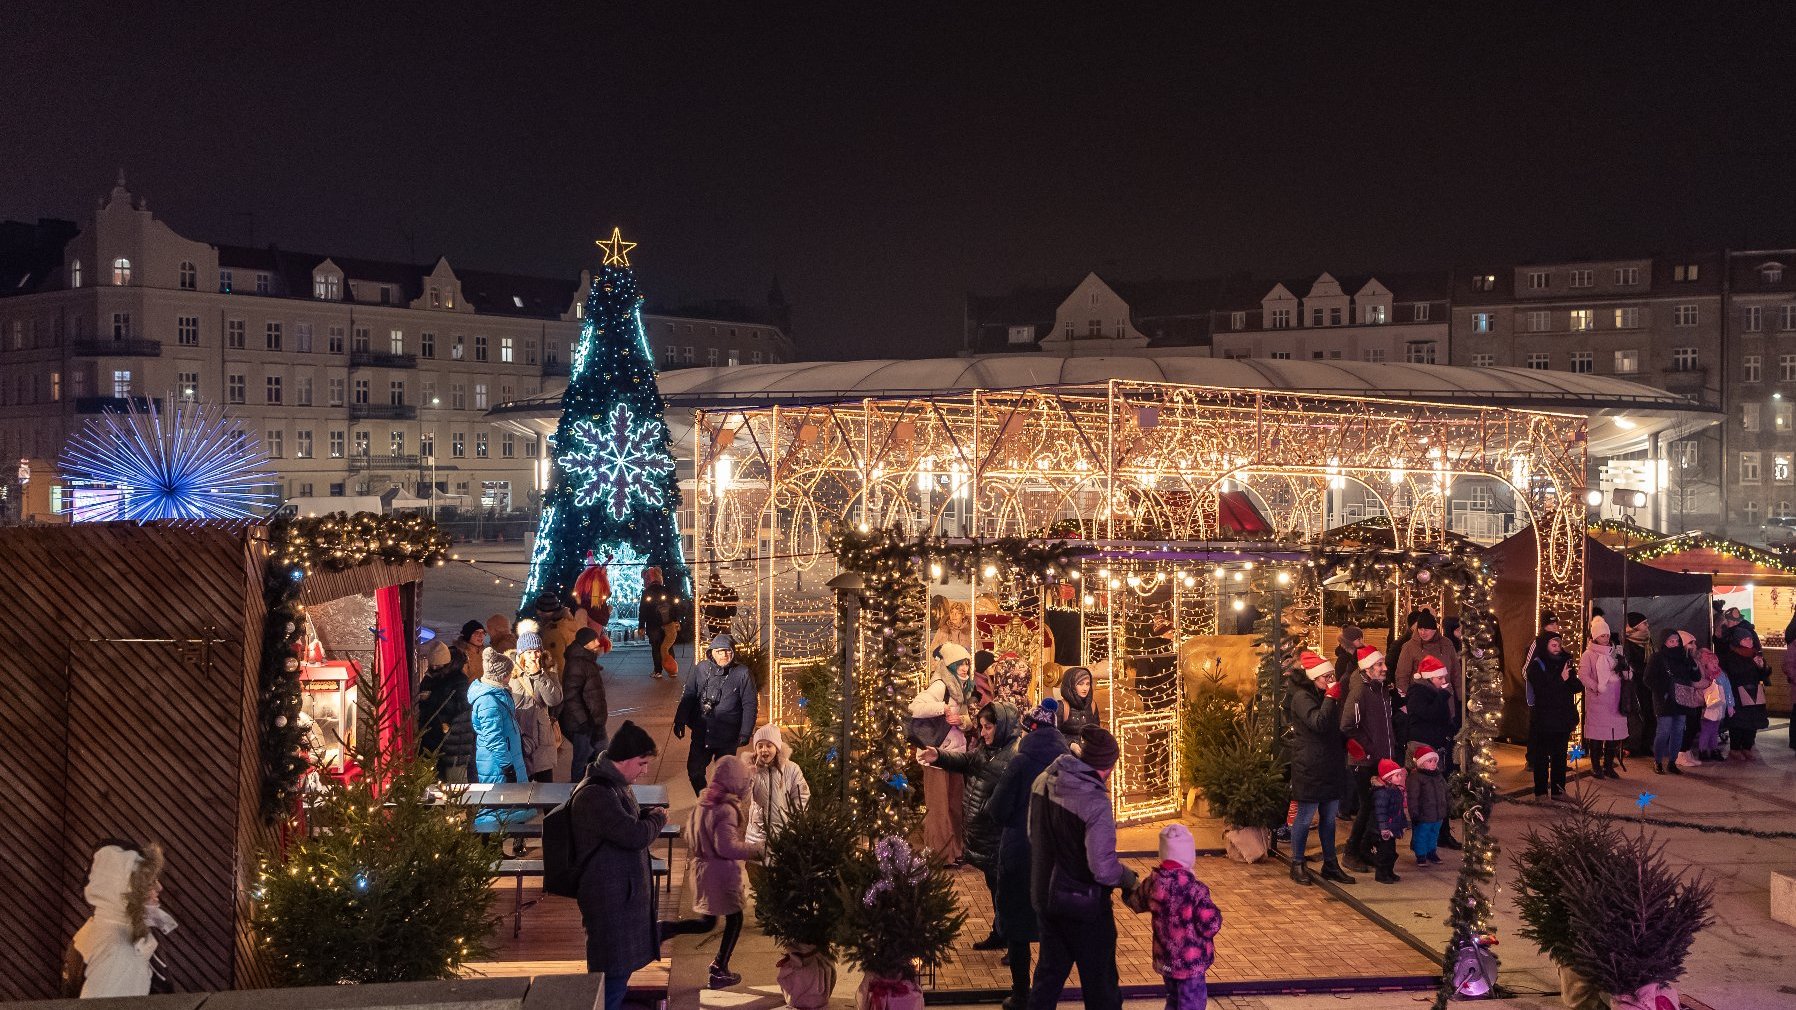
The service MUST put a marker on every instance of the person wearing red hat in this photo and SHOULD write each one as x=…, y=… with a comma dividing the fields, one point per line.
x=1433, y=710
x=1366, y=721
x=1427, y=642
x=1388, y=809
x=1427, y=804
x=1318, y=761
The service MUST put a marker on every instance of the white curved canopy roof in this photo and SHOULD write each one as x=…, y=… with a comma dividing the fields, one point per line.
x=1622, y=413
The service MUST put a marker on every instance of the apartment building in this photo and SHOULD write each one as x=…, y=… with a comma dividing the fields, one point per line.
x=358, y=376
x=1385, y=318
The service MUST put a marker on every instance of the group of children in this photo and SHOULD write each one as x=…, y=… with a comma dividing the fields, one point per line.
x=1412, y=800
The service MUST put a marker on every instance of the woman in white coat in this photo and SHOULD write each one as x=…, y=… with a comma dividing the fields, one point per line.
x=779, y=789
x=944, y=705
x=1607, y=680
x=112, y=949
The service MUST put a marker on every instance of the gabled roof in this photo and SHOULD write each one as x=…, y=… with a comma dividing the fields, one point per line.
x=500, y=294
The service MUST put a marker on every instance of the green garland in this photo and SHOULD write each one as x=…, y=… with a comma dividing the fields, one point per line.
x=297, y=548
x=1696, y=540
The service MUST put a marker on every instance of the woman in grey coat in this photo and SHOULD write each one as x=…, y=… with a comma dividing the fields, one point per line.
x=612, y=838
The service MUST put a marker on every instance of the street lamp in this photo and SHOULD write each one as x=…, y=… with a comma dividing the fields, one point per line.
x=431, y=461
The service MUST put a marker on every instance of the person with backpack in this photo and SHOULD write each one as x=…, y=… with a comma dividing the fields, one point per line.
x=607, y=840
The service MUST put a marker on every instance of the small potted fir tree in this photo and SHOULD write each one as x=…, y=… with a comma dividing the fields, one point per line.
x=899, y=915
x=1243, y=781
x=1607, y=908
x=798, y=898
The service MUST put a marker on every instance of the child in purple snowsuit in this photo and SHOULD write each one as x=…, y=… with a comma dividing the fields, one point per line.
x=1186, y=921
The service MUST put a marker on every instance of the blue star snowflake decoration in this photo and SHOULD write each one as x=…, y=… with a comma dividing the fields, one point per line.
x=617, y=459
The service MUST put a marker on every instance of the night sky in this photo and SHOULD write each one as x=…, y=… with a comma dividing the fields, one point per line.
x=884, y=166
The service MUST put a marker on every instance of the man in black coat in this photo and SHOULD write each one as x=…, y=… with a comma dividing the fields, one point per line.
x=1008, y=807
x=1366, y=721
x=584, y=710
x=718, y=705
x=612, y=836
x=1318, y=761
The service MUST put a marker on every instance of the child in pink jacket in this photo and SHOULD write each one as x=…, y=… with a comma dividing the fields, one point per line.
x=1186, y=921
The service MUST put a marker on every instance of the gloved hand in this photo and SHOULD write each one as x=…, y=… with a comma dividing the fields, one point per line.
x=679, y=732
x=1334, y=690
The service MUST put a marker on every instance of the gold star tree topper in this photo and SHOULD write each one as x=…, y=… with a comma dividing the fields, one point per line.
x=617, y=251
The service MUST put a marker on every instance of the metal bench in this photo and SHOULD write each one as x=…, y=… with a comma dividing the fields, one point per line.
x=519, y=869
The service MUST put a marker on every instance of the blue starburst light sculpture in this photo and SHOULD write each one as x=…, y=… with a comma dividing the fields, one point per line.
x=196, y=463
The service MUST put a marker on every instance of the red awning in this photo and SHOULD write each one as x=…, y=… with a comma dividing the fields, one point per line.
x=1237, y=516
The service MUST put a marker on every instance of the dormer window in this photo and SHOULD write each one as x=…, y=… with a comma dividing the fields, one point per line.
x=1484, y=282
x=121, y=271
x=264, y=284
x=517, y=300
x=327, y=287
x=1373, y=314
x=436, y=297
x=74, y=273
x=224, y=281
x=190, y=278
x=1772, y=273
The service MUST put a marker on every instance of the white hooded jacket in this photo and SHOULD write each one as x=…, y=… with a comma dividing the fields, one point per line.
x=116, y=943
x=778, y=790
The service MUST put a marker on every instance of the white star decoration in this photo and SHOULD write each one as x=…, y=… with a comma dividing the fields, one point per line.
x=617, y=458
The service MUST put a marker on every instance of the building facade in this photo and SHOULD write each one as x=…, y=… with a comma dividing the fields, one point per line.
x=359, y=377
x=1398, y=318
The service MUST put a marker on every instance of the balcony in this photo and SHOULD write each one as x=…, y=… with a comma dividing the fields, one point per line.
x=381, y=359
x=114, y=404
x=127, y=347
x=557, y=369
x=358, y=464
x=382, y=412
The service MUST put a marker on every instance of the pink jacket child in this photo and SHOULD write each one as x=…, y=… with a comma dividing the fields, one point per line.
x=1186, y=921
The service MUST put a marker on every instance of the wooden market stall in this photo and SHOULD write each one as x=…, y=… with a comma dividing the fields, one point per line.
x=138, y=691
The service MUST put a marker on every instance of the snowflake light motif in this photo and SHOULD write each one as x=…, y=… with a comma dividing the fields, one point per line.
x=194, y=464
x=617, y=460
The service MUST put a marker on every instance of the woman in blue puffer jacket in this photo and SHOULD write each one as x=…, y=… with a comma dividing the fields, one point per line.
x=498, y=750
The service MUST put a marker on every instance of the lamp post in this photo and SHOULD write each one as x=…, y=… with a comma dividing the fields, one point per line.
x=431, y=461
x=848, y=587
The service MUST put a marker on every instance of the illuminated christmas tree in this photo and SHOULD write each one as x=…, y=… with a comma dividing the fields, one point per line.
x=615, y=487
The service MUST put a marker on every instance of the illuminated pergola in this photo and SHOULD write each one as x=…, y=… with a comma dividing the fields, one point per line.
x=1140, y=470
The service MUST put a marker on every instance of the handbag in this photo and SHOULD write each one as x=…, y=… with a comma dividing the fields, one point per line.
x=1687, y=695
x=929, y=730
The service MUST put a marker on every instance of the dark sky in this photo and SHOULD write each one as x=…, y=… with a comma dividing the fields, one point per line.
x=884, y=165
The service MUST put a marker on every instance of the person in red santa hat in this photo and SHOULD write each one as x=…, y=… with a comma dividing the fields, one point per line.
x=1427, y=803
x=1366, y=720
x=1388, y=810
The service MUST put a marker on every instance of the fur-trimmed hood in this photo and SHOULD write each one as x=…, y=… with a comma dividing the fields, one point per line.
x=119, y=885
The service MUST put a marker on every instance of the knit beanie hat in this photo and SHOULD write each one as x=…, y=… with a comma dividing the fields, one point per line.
x=468, y=629
x=630, y=741
x=583, y=638
x=1431, y=667
x=1177, y=845
x=494, y=663
x=722, y=641
x=1351, y=633
x=950, y=653
x=1098, y=748
x=1355, y=753
x=529, y=635
x=770, y=733
x=1598, y=628
x=1314, y=666
x=1368, y=657
x=438, y=655
x=983, y=660
x=1043, y=714
x=1388, y=768
x=1427, y=622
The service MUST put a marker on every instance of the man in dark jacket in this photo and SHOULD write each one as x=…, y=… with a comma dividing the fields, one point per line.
x=1008, y=807
x=1318, y=762
x=718, y=704
x=658, y=615
x=583, y=707
x=1075, y=868
x=612, y=835
x=1366, y=720
x=1742, y=658
x=442, y=695
x=1347, y=652
x=1427, y=641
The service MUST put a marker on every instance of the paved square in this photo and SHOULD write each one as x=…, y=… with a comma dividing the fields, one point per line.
x=1271, y=929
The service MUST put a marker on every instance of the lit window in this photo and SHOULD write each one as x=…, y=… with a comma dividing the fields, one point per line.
x=479, y=396
x=187, y=386
x=74, y=273
x=517, y=301
x=327, y=287
x=1684, y=272
x=1780, y=415
x=396, y=341
x=302, y=443
x=1376, y=315
x=1582, y=319
x=121, y=271
x=1627, y=319
x=1484, y=282
x=1627, y=362
x=505, y=349
x=336, y=445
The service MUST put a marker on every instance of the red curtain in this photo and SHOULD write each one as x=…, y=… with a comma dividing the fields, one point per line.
x=394, y=671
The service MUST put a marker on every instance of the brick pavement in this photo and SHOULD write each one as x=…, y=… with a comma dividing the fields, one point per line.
x=1271, y=929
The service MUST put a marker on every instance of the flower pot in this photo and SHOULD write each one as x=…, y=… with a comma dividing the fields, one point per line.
x=1249, y=845
x=807, y=977
x=1653, y=996
x=1575, y=990
x=878, y=992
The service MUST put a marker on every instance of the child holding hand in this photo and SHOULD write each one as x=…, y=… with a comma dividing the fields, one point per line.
x=1389, y=818
x=1186, y=921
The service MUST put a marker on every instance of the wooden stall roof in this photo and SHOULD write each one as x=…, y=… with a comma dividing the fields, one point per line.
x=1700, y=553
